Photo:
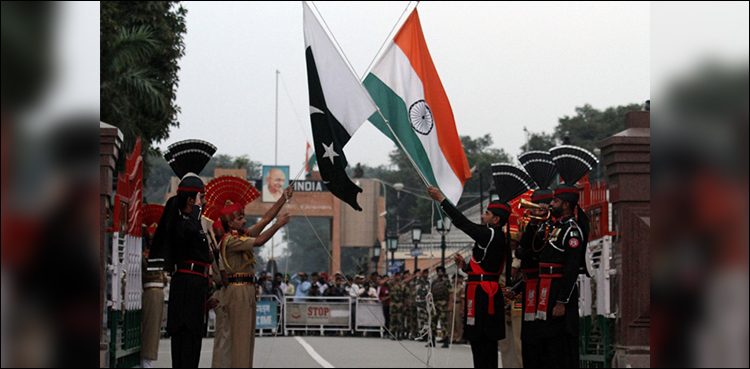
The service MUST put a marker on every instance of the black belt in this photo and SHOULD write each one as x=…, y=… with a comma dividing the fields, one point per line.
x=531, y=273
x=550, y=270
x=245, y=279
x=199, y=268
x=483, y=278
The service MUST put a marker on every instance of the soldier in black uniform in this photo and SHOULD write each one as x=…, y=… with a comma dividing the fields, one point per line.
x=535, y=229
x=181, y=241
x=484, y=318
x=561, y=260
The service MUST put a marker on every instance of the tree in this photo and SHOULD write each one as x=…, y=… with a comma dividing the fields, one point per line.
x=141, y=43
x=481, y=155
x=589, y=125
x=539, y=141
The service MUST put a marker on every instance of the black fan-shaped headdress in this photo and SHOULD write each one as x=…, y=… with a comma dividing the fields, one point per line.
x=510, y=182
x=572, y=162
x=189, y=156
x=542, y=170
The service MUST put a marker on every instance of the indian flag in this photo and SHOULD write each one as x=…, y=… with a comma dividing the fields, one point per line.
x=310, y=159
x=406, y=87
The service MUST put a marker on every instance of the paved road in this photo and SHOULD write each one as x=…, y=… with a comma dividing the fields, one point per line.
x=337, y=352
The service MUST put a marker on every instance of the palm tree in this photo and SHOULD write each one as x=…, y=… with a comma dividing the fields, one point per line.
x=127, y=80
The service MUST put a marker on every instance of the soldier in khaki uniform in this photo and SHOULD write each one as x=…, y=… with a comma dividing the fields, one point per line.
x=441, y=288
x=456, y=310
x=220, y=358
x=240, y=294
x=154, y=280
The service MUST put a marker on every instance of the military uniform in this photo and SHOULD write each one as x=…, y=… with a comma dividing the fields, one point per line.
x=456, y=313
x=421, y=289
x=221, y=350
x=397, y=306
x=153, y=311
x=561, y=260
x=532, y=241
x=240, y=297
x=558, y=273
x=186, y=322
x=182, y=243
x=483, y=321
x=412, y=307
x=441, y=288
x=542, y=169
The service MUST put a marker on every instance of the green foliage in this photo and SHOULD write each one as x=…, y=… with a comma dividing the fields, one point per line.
x=589, y=126
x=141, y=44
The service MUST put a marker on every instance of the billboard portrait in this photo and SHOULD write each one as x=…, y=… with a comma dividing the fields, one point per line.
x=275, y=180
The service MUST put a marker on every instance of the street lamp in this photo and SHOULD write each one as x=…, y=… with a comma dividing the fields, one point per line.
x=398, y=187
x=392, y=243
x=443, y=226
x=416, y=236
x=376, y=254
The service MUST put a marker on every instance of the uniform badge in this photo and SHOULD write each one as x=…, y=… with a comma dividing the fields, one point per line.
x=574, y=233
x=574, y=243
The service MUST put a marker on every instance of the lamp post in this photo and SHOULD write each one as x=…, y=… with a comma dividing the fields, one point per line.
x=443, y=226
x=416, y=236
x=392, y=243
x=376, y=254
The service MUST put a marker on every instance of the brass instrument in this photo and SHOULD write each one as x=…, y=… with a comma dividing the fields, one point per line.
x=528, y=216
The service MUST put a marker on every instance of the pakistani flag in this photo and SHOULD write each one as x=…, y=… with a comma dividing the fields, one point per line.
x=338, y=106
x=406, y=87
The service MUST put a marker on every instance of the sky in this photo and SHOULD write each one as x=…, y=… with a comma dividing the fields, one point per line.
x=504, y=66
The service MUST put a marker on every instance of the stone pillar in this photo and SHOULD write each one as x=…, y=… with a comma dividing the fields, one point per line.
x=627, y=158
x=110, y=140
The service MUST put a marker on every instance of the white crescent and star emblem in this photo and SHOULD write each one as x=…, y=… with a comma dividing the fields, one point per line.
x=330, y=153
x=314, y=110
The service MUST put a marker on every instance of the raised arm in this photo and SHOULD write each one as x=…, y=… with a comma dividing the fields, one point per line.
x=477, y=232
x=265, y=236
x=255, y=229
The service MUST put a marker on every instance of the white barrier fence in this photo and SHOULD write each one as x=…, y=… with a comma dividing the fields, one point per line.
x=314, y=314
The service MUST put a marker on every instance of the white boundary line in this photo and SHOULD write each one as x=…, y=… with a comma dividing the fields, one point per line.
x=314, y=354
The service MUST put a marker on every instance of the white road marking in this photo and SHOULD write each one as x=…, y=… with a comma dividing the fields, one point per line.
x=314, y=354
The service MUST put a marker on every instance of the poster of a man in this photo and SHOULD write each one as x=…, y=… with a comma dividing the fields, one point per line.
x=275, y=180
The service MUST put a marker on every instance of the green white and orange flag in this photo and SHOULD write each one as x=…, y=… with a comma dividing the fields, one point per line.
x=407, y=89
x=310, y=160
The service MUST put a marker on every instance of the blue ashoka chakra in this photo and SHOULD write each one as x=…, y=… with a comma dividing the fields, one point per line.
x=420, y=116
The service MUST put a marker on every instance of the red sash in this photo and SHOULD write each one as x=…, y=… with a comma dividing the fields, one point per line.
x=544, y=288
x=532, y=281
x=489, y=287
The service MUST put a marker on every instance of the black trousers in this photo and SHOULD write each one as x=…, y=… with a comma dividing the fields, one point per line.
x=484, y=352
x=554, y=352
x=186, y=349
x=387, y=315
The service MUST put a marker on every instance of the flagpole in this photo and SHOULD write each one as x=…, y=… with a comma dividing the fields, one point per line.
x=403, y=149
x=276, y=145
x=276, y=119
